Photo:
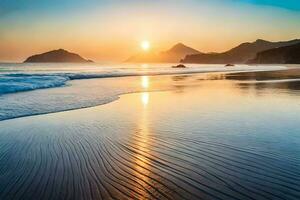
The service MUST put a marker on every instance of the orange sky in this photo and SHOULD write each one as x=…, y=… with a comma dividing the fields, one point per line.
x=113, y=31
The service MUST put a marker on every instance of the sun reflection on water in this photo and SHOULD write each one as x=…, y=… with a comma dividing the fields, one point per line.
x=145, y=66
x=145, y=82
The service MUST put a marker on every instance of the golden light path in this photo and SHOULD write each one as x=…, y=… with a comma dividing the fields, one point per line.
x=145, y=98
x=142, y=167
x=145, y=82
x=145, y=85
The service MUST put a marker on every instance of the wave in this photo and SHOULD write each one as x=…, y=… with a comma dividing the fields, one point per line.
x=19, y=82
x=96, y=88
x=11, y=83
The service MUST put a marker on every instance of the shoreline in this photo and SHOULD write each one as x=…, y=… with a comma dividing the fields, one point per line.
x=69, y=76
x=117, y=96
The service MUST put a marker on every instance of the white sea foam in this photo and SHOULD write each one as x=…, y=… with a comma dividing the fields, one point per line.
x=12, y=83
x=19, y=78
x=87, y=85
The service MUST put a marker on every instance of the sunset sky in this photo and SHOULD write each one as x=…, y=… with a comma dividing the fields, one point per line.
x=112, y=30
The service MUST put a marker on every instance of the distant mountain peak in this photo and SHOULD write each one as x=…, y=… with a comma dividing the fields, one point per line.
x=261, y=41
x=182, y=48
x=62, y=50
x=179, y=45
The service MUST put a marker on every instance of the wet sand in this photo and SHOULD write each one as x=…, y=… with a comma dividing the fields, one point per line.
x=223, y=138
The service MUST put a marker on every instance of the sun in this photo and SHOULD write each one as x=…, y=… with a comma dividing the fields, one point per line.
x=145, y=45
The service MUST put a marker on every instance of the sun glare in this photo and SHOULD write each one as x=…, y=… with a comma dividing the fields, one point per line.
x=145, y=82
x=145, y=45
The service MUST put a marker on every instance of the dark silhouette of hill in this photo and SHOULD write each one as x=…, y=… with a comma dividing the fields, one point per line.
x=174, y=54
x=177, y=52
x=237, y=55
x=281, y=55
x=59, y=55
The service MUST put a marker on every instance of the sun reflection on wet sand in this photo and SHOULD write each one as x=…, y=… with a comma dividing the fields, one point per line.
x=142, y=167
x=145, y=83
x=145, y=98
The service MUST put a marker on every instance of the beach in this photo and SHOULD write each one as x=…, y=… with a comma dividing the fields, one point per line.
x=183, y=136
x=150, y=100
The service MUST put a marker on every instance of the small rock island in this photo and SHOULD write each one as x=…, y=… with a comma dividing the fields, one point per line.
x=179, y=66
x=229, y=65
x=59, y=55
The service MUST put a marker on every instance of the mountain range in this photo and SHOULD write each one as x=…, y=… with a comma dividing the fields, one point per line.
x=238, y=55
x=258, y=52
x=59, y=55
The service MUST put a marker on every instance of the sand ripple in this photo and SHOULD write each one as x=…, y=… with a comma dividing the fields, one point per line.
x=72, y=165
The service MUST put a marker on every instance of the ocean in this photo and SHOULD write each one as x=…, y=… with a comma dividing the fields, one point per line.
x=21, y=85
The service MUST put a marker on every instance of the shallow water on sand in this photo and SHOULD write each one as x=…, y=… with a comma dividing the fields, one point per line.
x=235, y=137
x=39, y=88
